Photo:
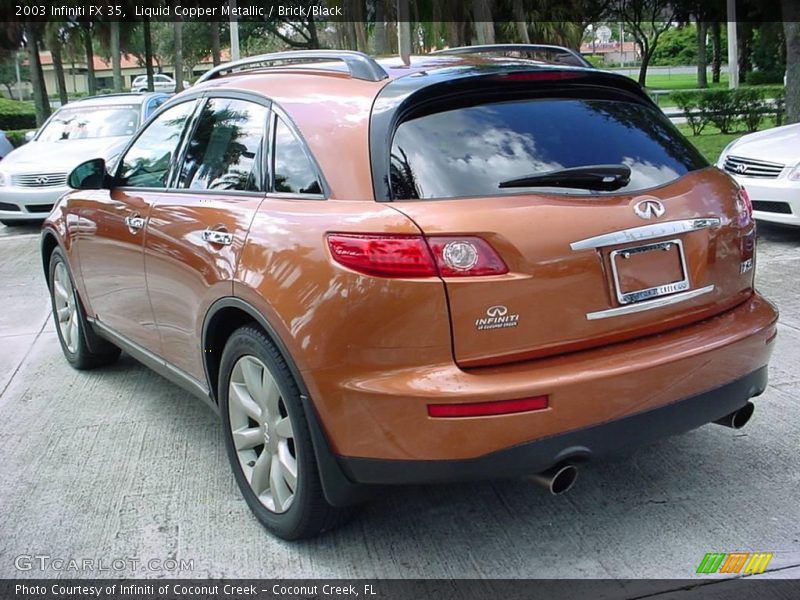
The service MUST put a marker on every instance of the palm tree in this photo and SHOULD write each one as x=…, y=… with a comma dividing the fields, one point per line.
x=148, y=53
x=86, y=34
x=116, y=56
x=37, y=77
x=55, y=36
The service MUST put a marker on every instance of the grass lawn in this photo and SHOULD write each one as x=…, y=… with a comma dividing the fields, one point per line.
x=711, y=142
x=682, y=81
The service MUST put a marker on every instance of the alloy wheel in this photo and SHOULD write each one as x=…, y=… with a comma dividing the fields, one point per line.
x=66, y=307
x=262, y=434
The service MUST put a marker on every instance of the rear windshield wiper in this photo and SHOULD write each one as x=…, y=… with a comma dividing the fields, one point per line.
x=606, y=178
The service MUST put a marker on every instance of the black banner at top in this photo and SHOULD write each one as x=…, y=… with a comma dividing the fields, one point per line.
x=583, y=11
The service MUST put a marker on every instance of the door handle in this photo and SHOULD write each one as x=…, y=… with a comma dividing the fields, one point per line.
x=134, y=223
x=214, y=236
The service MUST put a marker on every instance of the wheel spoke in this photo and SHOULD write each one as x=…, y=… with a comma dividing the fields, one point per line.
x=277, y=485
x=260, y=477
x=64, y=313
x=60, y=292
x=284, y=428
x=73, y=328
x=247, y=438
x=288, y=466
x=242, y=400
x=253, y=375
x=272, y=396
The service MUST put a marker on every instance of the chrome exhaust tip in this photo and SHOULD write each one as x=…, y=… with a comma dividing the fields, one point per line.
x=738, y=418
x=558, y=479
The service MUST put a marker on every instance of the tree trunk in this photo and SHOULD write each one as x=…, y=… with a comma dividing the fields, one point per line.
x=521, y=22
x=436, y=25
x=148, y=54
x=482, y=18
x=647, y=54
x=177, y=61
x=116, y=56
x=37, y=77
x=91, y=82
x=745, y=35
x=791, y=29
x=380, y=29
x=54, y=43
x=702, y=59
x=215, y=51
x=716, y=43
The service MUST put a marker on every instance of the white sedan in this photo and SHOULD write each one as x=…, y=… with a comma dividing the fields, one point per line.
x=767, y=164
x=161, y=83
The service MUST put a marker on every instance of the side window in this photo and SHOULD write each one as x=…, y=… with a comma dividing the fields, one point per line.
x=225, y=150
x=153, y=105
x=294, y=171
x=147, y=161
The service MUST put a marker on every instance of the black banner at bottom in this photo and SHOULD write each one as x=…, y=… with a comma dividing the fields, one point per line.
x=411, y=589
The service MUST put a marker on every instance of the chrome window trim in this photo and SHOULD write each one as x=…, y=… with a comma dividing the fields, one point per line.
x=645, y=232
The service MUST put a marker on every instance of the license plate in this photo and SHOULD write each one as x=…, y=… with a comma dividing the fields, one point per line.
x=650, y=271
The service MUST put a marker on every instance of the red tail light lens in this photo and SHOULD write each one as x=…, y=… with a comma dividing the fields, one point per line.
x=484, y=409
x=392, y=255
x=744, y=198
x=466, y=256
x=383, y=255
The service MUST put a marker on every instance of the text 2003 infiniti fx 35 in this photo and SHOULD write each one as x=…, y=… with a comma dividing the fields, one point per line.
x=472, y=267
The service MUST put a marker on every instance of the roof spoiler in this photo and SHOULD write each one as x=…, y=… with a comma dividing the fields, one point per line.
x=359, y=64
x=580, y=61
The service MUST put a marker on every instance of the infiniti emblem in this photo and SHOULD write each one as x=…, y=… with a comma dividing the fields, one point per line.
x=496, y=311
x=42, y=179
x=649, y=209
x=741, y=168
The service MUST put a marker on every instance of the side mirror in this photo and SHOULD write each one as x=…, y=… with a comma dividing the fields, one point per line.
x=30, y=135
x=89, y=175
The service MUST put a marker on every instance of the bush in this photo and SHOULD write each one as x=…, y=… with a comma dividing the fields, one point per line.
x=749, y=103
x=16, y=115
x=720, y=108
x=689, y=103
x=764, y=77
x=17, y=136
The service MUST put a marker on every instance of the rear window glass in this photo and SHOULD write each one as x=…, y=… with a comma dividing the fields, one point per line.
x=469, y=151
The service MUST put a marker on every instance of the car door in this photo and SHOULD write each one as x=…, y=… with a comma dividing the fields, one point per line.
x=111, y=230
x=197, y=229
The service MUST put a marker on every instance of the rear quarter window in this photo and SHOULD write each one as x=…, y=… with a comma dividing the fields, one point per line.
x=468, y=151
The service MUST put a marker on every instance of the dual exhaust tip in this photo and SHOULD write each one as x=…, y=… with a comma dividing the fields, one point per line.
x=560, y=478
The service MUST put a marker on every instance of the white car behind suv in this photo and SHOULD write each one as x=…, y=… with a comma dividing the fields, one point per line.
x=767, y=164
x=161, y=83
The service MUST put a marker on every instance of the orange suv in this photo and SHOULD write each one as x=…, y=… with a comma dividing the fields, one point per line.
x=472, y=266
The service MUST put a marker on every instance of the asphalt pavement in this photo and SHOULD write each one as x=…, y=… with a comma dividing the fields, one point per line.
x=119, y=464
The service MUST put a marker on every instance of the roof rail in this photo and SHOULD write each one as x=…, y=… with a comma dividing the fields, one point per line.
x=359, y=64
x=530, y=48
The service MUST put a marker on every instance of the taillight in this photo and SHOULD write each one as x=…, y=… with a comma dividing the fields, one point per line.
x=539, y=76
x=465, y=256
x=397, y=255
x=744, y=198
x=485, y=409
x=383, y=255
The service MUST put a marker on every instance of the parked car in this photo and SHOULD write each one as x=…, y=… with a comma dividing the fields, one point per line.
x=34, y=176
x=465, y=268
x=5, y=146
x=161, y=83
x=767, y=165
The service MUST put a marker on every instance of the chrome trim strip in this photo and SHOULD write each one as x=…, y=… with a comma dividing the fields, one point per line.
x=645, y=232
x=648, y=304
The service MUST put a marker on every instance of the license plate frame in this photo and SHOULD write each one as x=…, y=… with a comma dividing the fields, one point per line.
x=664, y=289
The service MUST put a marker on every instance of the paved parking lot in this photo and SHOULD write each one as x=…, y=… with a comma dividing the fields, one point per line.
x=119, y=463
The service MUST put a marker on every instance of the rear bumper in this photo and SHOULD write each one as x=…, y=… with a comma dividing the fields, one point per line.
x=381, y=415
x=591, y=442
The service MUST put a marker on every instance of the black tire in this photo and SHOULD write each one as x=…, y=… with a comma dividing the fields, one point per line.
x=76, y=350
x=309, y=514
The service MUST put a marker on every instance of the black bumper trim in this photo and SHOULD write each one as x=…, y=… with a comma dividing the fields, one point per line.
x=577, y=445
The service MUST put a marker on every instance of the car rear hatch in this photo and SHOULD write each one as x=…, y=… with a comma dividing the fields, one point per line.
x=585, y=267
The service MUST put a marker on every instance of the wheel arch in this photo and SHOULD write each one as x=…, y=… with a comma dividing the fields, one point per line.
x=224, y=317
x=48, y=244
